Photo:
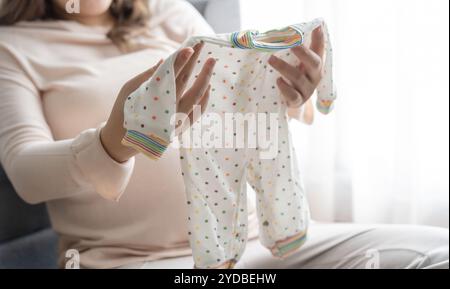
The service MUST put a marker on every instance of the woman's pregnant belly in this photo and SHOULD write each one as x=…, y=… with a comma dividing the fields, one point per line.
x=151, y=214
x=149, y=221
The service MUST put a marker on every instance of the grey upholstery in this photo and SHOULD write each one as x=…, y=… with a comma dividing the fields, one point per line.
x=16, y=217
x=222, y=15
x=33, y=251
x=26, y=239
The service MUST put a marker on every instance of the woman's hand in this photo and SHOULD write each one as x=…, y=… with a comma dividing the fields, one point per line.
x=303, y=79
x=112, y=133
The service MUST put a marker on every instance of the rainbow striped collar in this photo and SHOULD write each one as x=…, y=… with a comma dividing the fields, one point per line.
x=278, y=39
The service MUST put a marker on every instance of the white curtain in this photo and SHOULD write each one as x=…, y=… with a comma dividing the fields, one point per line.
x=383, y=155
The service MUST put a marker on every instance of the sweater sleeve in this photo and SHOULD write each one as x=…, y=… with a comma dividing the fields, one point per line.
x=40, y=168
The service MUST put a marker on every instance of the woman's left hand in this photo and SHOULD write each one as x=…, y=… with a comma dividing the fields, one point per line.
x=303, y=79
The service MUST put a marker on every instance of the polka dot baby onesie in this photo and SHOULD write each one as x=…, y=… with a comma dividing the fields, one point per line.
x=242, y=137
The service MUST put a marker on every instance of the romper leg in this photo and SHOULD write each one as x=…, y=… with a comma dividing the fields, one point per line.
x=216, y=199
x=281, y=205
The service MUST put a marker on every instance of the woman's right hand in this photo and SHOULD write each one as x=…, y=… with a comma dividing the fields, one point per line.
x=112, y=133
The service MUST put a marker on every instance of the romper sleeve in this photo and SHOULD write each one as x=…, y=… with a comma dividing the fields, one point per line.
x=150, y=112
x=326, y=91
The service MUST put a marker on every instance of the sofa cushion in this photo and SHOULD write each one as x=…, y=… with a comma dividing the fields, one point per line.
x=16, y=217
x=37, y=250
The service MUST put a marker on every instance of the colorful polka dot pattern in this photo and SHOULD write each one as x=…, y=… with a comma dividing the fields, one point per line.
x=148, y=112
x=216, y=178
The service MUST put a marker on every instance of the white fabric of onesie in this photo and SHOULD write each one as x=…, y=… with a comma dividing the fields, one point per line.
x=216, y=172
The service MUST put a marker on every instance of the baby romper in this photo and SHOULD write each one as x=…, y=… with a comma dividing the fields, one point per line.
x=216, y=171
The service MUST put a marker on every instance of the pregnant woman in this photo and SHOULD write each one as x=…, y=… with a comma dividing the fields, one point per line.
x=63, y=81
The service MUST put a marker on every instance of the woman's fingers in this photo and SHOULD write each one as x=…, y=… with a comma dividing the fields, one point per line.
x=305, y=77
x=149, y=73
x=311, y=61
x=312, y=58
x=198, y=89
x=134, y=83
x=189, y=120
x=202, y=82
x=295, y=75
x=293, y=97
x=182, y=59
x=289, y=71
x=318, y=42
x=309, y=58
x=203, y=105
x=186, y=72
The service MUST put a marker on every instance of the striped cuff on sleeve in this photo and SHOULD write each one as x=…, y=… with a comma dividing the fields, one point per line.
x=325, y=106
x=286, y=247
x=150, y=145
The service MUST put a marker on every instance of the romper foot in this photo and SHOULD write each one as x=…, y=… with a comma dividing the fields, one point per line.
x=227, y=265
x=286, y=247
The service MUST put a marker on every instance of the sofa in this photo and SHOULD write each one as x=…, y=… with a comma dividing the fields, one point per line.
x=26, y=237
